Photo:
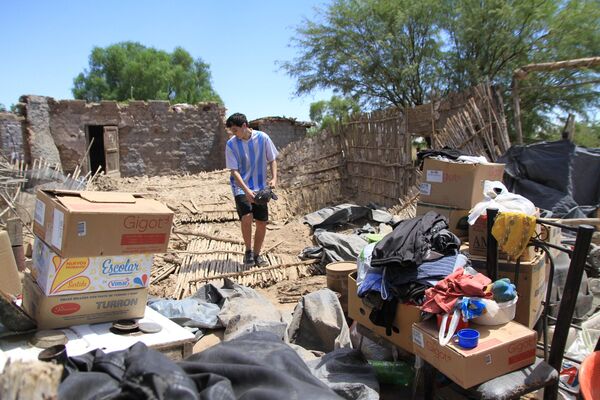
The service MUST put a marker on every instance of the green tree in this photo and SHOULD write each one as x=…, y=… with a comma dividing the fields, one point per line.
x=128, y=71
x=327, y=113
x=381, y=52
x=2, y=107
x=388, y=52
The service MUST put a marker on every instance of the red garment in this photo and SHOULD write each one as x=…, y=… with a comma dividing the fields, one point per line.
x=442, y=297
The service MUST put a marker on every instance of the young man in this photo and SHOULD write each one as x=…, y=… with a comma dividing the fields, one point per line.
x=247, y=154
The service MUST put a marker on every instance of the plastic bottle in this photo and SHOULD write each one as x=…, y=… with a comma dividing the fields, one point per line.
x=393, y=372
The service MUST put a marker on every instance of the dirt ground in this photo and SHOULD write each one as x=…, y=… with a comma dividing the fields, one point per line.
x=206, y=198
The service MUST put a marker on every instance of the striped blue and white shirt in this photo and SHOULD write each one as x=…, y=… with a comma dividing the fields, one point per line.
x=250, y=157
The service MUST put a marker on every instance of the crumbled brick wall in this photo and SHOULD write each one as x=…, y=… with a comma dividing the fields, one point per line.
x=38, y=141
x=155, y=138
x=282, y=131
x=11, y=135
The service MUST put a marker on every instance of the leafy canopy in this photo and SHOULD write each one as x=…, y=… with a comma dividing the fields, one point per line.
x=327, y=113
x=403, y=52
x=129, y=70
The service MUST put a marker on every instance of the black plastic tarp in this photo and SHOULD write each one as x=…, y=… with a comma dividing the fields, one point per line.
x=556, y=176
x=257, y=365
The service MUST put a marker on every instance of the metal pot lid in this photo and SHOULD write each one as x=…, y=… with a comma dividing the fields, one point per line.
x=150, y=327
x=125, y=325
x=48, y=338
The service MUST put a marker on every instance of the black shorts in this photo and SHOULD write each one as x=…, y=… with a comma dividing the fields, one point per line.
x=260, y=212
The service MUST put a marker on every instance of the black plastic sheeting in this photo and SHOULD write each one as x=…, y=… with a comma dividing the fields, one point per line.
x=556, y=176
x=256, y=366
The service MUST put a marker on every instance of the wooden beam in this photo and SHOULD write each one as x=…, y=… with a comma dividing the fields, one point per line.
x=589, y=62
x=522, y=72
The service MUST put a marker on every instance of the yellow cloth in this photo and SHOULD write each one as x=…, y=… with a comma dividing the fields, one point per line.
x=513, y=230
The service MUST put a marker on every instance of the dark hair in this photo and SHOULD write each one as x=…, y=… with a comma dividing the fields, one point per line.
x=237, y=119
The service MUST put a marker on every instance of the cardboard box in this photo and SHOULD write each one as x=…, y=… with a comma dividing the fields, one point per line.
x=454, y=184
x=478, y=241
x=52, y=312
x=10, y=282
x=457, y=218
x=89, y=224
x=553, y=235
x=531, y=285
x=56, y=275
x=406, y=315
x=501, y=349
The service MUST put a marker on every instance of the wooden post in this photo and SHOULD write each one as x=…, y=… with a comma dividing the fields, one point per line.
x=569, y=129
x=517, y=109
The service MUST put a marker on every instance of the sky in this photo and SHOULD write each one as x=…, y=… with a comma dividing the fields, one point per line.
x=45, y=44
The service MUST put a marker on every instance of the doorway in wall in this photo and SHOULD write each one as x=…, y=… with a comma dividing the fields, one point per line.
x=104, y=150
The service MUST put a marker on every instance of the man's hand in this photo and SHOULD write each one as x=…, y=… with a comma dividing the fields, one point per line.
x=273, y=183
x=250, y=196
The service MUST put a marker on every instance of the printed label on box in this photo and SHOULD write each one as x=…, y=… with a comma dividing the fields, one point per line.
x=418, y=338
x=425, y=189
x=59, y=275
x=435, y=176
x=58, y=226
x=488, y=359
x=40, y=212
x=81, y=228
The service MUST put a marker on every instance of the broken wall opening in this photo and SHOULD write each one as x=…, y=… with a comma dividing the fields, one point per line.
x=95, y=141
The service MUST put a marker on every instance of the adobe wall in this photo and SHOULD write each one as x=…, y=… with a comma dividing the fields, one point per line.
x=155, y=138
x=282, y=131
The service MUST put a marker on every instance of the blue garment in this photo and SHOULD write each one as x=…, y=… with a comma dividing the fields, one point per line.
x=373, y=282
x=250, y=158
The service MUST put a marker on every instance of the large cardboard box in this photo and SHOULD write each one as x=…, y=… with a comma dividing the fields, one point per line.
x=457, y=218
x=52, y=312
x=531, y=285
x=553, y=235
x=57, y=275
x=10, y=282
x=88, y=224
x=478, y=241
x=455, y=184
x=501, y=349
x=406, y=315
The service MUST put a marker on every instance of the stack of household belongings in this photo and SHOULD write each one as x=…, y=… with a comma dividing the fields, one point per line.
x=418, y=291
x=452, y=184
x=394, y=273
x=515, y=224
x=92, y=256
x=473, y=337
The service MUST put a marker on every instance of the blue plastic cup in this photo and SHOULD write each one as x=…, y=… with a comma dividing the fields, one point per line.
x=468, y=338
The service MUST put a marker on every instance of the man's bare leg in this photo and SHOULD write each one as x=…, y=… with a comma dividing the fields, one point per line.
x=246, y=223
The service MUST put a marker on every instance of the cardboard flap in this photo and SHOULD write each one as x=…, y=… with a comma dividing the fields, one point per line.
x=107, y=197
x=11, y=281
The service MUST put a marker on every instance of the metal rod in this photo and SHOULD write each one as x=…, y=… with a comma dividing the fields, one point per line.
x=541, y=243
x=563, y=226
x=492, y=246
x=567, y=303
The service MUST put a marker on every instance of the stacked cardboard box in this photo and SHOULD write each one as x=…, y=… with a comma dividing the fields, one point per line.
x=452, y=189
x=531, y=283
x=501, y=349
x=92, y=256
x=406, y=315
